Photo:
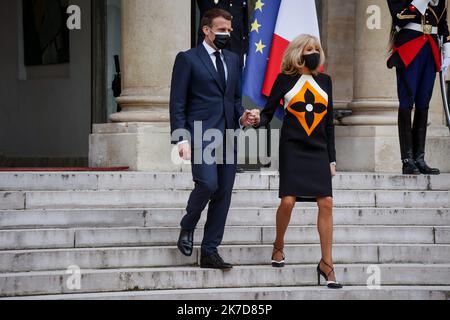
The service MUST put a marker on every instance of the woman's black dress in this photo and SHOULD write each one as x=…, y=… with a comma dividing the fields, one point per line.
x=307, y=143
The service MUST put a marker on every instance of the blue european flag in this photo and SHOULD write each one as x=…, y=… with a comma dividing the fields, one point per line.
x=262, y=31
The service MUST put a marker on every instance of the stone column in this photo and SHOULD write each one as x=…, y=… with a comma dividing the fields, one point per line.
x=374, y=91
x=153, y=32
x=368, y=140
x=338, y=29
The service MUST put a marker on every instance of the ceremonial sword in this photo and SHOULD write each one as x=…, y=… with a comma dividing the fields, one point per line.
x=443, y=86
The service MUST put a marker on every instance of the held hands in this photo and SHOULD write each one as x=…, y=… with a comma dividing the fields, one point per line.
x=251, y=118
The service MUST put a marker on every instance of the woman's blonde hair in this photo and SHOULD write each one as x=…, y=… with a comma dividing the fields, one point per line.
x=293, y=57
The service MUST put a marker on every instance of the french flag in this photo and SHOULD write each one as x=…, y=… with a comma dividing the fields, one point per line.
x=274, y=25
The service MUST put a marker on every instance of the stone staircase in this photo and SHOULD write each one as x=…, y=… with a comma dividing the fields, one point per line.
x=121, y=229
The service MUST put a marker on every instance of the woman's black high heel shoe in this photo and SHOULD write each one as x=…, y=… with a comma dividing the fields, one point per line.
x=278, y=264
x=330, y=284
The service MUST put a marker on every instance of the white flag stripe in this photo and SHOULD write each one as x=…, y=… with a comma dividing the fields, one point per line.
x=297, y=17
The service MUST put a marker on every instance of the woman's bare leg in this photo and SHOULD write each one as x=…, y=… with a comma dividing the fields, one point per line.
x=325, y=226
x=284, y=215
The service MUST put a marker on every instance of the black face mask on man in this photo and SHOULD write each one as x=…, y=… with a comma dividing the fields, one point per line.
x=312, y=61
x=222, y=40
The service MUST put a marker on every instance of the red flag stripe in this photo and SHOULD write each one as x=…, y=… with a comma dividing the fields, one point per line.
x=279, y=46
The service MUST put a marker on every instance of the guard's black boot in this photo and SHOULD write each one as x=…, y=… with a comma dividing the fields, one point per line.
x=419, y=140
x=406, y=142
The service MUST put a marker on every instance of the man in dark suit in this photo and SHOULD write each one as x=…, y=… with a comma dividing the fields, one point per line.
x=239, y=11
x=206, y=91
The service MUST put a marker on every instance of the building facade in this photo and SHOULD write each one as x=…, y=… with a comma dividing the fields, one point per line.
x=65, y=113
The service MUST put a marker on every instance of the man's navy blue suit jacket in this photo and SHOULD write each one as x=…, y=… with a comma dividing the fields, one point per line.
x=198, y=95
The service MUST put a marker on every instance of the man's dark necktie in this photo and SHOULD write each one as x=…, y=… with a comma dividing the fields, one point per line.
x=220, y=68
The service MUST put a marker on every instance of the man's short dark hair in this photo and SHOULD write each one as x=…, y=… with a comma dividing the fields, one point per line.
x=212, y=14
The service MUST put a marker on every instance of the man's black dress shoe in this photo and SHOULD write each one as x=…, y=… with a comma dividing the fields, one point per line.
x=186, y=242
x=214, y=261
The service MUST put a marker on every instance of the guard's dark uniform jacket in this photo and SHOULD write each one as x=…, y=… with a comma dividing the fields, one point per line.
x=239, y=11
x=408, y=43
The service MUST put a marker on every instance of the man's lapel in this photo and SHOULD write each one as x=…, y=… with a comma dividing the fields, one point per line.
x=206, y=59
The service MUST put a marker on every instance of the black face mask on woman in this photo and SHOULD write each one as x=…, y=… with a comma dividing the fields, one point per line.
x=312, y=61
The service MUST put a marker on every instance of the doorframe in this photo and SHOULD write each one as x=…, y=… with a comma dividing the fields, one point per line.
x=99, y=62
x=194, y=30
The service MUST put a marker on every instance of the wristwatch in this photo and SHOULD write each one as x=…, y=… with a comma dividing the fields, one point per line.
x=334, y=164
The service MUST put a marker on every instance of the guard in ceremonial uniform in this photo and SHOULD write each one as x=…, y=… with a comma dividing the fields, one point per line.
x=240, y=23
x=418, y=26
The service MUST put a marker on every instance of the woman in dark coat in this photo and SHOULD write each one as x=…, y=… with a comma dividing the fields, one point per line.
x=307, y=147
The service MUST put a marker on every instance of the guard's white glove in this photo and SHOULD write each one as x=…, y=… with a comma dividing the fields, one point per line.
x=445, y=57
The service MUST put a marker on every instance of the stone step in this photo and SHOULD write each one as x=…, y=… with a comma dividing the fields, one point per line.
x=117, y=280
x=12, y=200
x=16, y=181
x=165, y=199
x=138, y=257
x=127, y=237
x=303, y=215
x=85, y=218
x=251, y=294
x=171, y=217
